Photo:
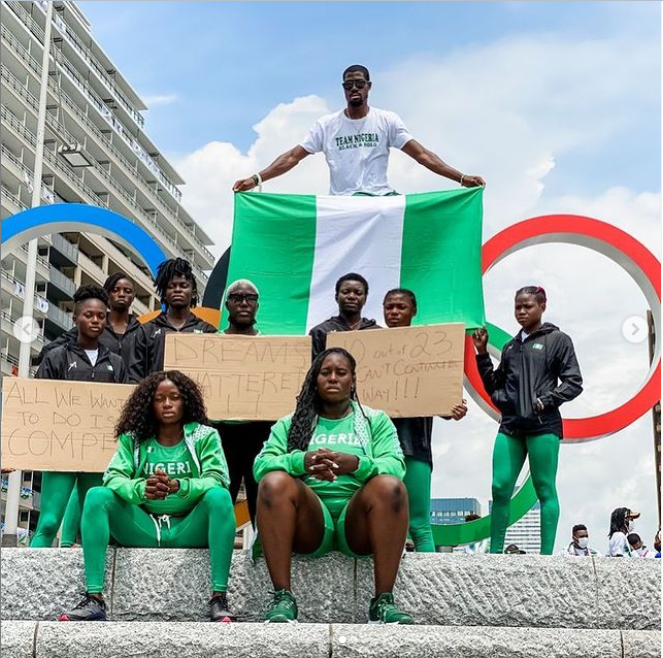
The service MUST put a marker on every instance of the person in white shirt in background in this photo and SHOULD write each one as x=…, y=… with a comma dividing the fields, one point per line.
x=638, y=547
x=579, y=546
x=356, y=143
x=621, y=525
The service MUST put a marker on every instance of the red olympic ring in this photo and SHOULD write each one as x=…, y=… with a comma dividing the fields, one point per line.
x=624, y=250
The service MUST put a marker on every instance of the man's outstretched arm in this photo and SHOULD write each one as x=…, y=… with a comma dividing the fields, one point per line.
x=285, y=162
x=433, y=162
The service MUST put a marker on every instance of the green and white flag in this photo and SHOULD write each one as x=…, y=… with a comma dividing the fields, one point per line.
x=295, y=247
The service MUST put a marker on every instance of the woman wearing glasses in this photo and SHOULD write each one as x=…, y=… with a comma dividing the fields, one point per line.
x=242, y=441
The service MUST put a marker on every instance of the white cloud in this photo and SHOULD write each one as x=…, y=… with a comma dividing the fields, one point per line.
x=160, y=99
x=512, y=111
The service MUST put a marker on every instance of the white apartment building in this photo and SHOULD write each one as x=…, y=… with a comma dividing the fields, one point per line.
x=92, y=111
x=526, y=533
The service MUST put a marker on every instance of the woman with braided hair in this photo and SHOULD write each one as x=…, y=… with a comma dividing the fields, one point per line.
x=166, y=486
x=331, y=478
x=538, y=371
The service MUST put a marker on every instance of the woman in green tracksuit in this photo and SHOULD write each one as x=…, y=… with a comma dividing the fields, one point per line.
x=331, y=477
x=166, y=486
x=85, y=359
x=538, y=372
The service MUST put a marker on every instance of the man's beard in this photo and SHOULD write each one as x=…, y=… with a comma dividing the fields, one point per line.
x=357, y=103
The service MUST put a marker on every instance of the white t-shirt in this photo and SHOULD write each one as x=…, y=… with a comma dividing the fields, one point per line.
x=93, y=355
x=618, y=545
x=357, y=150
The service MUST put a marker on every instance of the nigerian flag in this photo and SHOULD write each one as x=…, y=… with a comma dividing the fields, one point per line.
x=295, y=247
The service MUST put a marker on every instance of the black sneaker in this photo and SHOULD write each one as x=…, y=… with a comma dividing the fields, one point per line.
x=89, y=609
x=218, y=609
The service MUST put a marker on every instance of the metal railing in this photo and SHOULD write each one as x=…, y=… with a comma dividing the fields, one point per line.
x=21, y=295
x=65, y=247
x=12, y=199
x=59, y=317
x=85, y=53
x=106, y=144
x=52, y=159
x=6, y=316
x=61, y=281
x=96, y=100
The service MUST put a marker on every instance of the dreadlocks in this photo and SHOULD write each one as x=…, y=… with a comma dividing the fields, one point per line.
x=137, y=417
x=168, y=270
x=309, y=402
x=619, y=520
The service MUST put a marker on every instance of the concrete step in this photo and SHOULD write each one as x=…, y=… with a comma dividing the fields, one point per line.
x=200, y=640
x=437, y=589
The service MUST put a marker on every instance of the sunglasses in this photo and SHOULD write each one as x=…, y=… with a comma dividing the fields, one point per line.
x=349, y=84
x=238, y=298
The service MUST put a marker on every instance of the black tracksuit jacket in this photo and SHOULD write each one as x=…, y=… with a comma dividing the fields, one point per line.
x=529, y=370
x=336, y=323
x=70, y=363
x=120, y=344
x=150, y=344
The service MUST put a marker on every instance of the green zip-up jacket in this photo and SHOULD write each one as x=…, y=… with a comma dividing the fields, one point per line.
x=123, y=472
x=382, y=449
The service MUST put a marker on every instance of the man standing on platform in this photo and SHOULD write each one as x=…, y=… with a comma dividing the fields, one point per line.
x=356, y=143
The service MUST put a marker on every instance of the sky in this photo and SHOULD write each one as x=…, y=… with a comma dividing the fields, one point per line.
x=556, y=105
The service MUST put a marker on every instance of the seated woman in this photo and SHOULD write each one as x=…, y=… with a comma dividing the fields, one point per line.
x=331, y=478
x=166, y=486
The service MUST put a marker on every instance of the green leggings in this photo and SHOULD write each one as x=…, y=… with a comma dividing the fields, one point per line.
x=417, y=482
x=509, y=456
x=56, y=491
x=210, y=524
x=71, y=524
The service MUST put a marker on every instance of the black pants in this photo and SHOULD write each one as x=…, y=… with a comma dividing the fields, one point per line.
x=241, y=444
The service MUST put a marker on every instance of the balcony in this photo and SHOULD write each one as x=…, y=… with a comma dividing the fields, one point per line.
x=59, y=317
x=67, y=253
x=8, y=327
x=82, y=51
x=16, y=288
x=187, y=231
x=62, y=282
x=128, y=201
x=102, y=108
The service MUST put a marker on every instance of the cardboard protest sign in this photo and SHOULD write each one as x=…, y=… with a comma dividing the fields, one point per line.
x=242, y=377
x=50, y=425
x=407, y=371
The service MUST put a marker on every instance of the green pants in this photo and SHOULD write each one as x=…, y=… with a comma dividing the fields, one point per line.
x=71, y=524
x=417, y=482
x=509, y=456
x=56, y=491
x=210, y=524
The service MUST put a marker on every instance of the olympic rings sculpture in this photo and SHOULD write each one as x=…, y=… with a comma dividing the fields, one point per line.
x=599, y=236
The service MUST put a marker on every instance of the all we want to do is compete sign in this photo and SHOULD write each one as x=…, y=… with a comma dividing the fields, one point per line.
x=50, y=425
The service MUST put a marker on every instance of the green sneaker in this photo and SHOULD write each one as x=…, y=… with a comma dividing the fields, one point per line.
x=383, y=610
x=284, y=608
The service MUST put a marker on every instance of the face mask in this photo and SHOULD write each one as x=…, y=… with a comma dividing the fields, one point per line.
x=641, y=551
x=631, y=527
x=583, y=541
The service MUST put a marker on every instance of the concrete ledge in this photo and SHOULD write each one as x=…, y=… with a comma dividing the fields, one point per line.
x=17, y=639
x=437, y=589
x=201, y=640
